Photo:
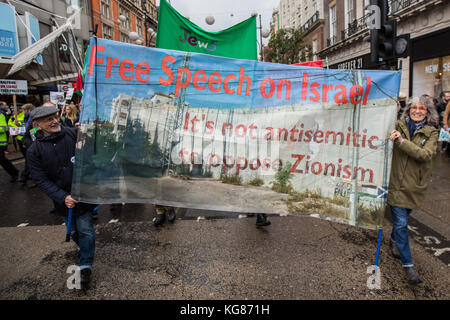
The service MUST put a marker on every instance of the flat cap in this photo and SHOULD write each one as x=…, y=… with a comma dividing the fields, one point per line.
x=42, y=112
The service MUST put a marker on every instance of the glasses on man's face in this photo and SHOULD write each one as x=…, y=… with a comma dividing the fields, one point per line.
x=419, y=108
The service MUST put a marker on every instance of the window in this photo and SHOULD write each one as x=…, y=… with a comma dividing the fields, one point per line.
x=107, y=32
x=333, y=25
x=126, y=14
x=105, y=8
x=124, y=38
x=431, y=76
x=314, y=49
x=349, y=13
x=139, y=26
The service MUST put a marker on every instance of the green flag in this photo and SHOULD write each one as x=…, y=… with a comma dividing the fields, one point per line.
x=178, y=33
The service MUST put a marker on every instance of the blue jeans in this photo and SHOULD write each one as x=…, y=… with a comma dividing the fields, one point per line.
x=83, y=234
x=400, y=234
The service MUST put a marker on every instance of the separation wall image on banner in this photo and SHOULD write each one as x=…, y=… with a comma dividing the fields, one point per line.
x=197, y=131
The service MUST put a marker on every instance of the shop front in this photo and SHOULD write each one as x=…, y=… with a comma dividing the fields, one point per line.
x=358, y=63
x=430, y=64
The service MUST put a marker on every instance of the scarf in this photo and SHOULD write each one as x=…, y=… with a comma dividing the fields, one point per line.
x=413, y=126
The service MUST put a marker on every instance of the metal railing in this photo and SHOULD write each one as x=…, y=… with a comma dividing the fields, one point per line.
x=399, y=5
x=331, y=41
x=355, y=26
x=308, y=24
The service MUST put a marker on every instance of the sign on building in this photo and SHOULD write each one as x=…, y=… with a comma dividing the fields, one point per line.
x=9, y=42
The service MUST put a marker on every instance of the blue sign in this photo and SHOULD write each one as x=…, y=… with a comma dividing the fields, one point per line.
x=9, y=44
x=34, y=36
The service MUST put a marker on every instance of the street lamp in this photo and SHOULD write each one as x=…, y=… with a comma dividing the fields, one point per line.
x=210, y=20
x=133, y=36
x=152, y=34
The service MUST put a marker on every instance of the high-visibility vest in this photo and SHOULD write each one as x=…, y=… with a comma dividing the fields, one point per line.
x=3, y=130
x=21, y=119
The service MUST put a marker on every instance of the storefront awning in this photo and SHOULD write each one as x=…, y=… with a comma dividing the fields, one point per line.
x=26, y=56
x=5, y=66
x=66, y=77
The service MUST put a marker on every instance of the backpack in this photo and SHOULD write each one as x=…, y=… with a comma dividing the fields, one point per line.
x=38, y=148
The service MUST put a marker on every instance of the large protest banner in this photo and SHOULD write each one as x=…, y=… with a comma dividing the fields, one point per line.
x=199, y=131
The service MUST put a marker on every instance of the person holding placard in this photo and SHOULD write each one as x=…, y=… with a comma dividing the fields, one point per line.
x=4, y=162
x=415, y=145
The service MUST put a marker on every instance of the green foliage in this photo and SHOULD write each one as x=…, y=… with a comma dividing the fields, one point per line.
x=257, y=182
x=288, y=46
x=231, y=179
x=282, y=183
x=311, y=194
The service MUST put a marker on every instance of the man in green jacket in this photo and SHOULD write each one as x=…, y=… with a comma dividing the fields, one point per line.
x=4, y=162
x=415, y=144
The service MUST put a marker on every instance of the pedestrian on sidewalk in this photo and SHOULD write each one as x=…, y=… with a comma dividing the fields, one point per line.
x=69, y=116
x=50, y=160
x=27, y=140
x=4, y=129
x=446, y=125
x=415, y=141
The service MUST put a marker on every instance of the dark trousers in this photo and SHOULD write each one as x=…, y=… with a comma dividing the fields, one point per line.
x=25, y=174
x=6, y=164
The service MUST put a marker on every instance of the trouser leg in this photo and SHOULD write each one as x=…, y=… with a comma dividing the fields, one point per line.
x=400, y=234
x=6, y=164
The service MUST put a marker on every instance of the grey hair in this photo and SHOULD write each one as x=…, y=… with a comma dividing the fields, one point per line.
x=28, y=107
x=432, y=115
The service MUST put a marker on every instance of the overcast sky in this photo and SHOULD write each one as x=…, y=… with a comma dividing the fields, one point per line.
x=225, y=12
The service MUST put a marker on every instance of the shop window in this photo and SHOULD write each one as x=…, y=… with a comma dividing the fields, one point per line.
x=431, y=76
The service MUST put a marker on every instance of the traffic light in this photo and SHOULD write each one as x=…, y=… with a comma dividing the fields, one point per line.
x=386, y=40
x=382, y=32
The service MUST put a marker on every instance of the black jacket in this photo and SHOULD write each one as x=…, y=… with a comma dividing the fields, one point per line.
x=51, y=168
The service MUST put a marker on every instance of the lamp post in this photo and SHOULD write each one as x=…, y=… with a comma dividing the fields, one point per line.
x=262, y=34
x=152, y=34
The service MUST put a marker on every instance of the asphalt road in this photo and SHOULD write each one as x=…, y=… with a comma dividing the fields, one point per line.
x=220, y=257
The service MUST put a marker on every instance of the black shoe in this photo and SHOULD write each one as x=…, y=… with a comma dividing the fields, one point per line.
x=261, y=220
x=171, y=215
x=85, y=276
x=394, y=249
x=94, y=215
x=22, y=180
x=159, y=219
x=14, y=178
x=412, y=276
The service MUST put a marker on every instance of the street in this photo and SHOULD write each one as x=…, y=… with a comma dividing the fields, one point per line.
x=218, y=255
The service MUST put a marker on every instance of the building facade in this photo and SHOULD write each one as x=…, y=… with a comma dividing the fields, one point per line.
x=426, y=68
x=307, y=15
x=117, y=19
x=59, y=58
